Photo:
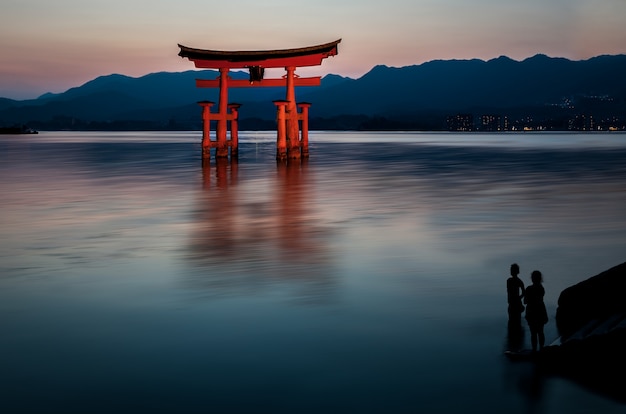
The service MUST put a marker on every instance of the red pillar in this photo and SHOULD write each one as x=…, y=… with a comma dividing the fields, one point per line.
x=234, y=129
x=281, y=136
x=222, y=145
x=206, y=128
x=304, y=117
x=293, y=135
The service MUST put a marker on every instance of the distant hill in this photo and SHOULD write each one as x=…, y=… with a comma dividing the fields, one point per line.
x=7, y=103
x=413, y=97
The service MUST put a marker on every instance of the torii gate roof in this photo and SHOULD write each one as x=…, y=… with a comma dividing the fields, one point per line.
x=215, y=59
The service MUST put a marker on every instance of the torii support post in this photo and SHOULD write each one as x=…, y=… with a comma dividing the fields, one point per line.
x=281, y=130
x=221, y=149
x=304, y=117
x=234, y=129
x=221, y=144
x=206, y=128
x=291, y=111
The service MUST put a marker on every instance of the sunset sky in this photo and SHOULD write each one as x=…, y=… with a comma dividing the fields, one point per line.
x=51, y=46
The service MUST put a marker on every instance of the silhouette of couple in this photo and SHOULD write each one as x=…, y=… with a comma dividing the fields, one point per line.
x=532, y=296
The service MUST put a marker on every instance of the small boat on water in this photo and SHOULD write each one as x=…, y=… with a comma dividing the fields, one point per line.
x=17, y=130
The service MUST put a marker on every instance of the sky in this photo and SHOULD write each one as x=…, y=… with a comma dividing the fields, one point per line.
x=51, y=46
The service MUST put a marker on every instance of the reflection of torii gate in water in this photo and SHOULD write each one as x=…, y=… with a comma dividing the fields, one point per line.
x=289, y=143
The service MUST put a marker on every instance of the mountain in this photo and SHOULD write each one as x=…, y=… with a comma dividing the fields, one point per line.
x=413, y=97
x=7, y=103
x=466, y=85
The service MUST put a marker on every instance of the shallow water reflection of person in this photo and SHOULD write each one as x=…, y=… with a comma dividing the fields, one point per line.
x=258, y=230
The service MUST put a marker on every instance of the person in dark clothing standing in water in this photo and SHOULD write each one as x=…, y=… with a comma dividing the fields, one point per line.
x=536, y=313
x=515, y=292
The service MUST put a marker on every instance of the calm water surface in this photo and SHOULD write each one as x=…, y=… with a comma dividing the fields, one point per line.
x=370, y=279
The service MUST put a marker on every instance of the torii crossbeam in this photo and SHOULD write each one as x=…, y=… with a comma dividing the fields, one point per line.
x=289, y=143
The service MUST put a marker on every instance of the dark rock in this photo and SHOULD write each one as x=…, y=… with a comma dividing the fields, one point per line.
x=596, y=298
x=591, y=318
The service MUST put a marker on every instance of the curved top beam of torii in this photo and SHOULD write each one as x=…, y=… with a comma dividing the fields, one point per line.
x=216, y=59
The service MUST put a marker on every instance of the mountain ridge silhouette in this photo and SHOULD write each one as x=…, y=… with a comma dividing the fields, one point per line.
x=539, y=84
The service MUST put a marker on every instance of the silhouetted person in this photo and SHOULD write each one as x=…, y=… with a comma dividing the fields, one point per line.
x=515, y=292
x=536, y=313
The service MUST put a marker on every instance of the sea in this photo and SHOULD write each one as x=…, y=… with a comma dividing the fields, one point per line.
x=368, y=278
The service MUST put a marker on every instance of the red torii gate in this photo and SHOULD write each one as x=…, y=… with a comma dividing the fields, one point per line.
x=289, y=144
